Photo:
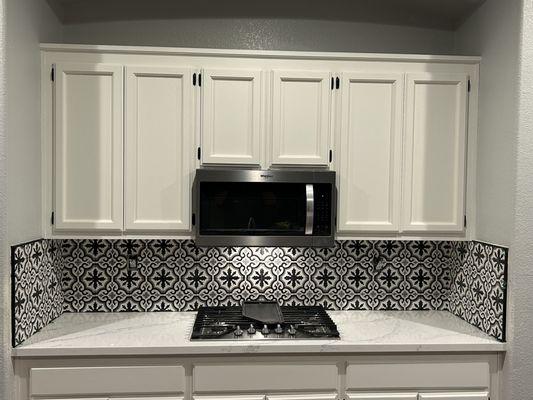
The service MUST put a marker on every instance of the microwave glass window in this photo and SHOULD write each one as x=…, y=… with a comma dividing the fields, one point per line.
x=252, y=208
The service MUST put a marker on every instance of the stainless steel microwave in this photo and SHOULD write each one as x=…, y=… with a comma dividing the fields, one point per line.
x=233, y=207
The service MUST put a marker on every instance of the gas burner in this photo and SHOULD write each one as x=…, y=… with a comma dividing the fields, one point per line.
x=297, y=322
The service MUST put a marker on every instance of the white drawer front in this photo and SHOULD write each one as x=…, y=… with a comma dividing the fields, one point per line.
x=107, y=380
x=382, y=396
x=264, y=377
x=455, y=396
x=418, y=375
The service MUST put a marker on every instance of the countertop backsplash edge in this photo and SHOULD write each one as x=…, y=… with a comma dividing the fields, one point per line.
x=108, y=275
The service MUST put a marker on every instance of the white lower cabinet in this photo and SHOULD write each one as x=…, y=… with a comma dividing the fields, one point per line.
x=389, y=377
x=231, y=397
x=382, y=396
x=103, y=383
x=118, y=398
x=455, y=396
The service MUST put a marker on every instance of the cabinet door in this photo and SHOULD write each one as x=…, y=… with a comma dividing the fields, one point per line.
x=382, y=396
x=454, y=396
x=306, y=396
x=88, y=146
x=301, y=117
x=231, y=116
x=147, y=398
x=229, y=397
x=435, y=145
x=158, y=148
x=370, y=152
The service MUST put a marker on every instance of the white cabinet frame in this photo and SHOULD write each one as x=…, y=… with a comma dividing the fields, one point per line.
x=217, y=59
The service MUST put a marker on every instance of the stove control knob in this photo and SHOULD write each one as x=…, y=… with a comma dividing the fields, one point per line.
x=238, y=331
x=265, y=330
x=279, y=329
x=251, y=329
x=291, y=330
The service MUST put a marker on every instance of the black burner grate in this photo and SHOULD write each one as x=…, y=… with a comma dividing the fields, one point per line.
x=310, y=322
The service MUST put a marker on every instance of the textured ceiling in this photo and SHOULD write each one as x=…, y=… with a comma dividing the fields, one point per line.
x=437, y=14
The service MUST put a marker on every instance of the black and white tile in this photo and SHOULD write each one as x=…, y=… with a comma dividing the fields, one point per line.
x=37, y=296
x=175, y=275
x=478, y=290
x=100, y=275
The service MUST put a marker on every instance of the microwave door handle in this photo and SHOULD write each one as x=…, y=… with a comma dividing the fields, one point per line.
x=309, y=209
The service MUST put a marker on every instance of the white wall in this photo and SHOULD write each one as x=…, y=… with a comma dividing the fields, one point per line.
x=519, y=361
x=266, y=34
x=493, y=32
x=5, y=370
x=23, y=25
x=29, y=22
x=502, y=32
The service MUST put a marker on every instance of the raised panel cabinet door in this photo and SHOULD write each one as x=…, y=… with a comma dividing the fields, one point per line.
x=454, y=396
x=435, y=152
x=382, y=396
x=147, y=398
x=301, y=102
x=159, y=134
x=370, y=152
x=229, y=397
x=88, y=147
x=231, y=116
x=306, y=396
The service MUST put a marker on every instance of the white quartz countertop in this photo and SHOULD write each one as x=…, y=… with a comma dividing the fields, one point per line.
x=115, y=334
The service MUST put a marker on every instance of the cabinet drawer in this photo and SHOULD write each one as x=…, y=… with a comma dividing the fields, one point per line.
x=264, y=377
x=418, y=375
x=106, y=380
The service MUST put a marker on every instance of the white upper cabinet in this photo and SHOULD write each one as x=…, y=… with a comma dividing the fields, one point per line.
x=301, y=103
x=231, y=116
x=88, y=146
x=159, y=131
x=435, y=152
x=370, y=151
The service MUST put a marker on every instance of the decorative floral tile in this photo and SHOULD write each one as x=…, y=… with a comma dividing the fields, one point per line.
x=478, y=292
x=176, y=275
x=37, y=298
x=97, y=275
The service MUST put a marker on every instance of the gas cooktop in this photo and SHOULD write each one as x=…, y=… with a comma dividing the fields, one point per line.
x=296, y=322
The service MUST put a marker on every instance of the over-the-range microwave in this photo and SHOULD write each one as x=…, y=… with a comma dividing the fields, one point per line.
x=246, y=207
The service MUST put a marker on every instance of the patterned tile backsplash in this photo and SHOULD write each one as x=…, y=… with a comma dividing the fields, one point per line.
x=175, y=275
x=36, y=293
x=478, y=291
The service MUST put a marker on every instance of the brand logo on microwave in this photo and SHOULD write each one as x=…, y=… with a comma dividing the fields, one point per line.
x=266, y=176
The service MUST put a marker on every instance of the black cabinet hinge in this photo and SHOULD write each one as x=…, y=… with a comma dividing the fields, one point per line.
x=469, y=86
x=52, y=218
x=194, y=79
x=464, y=221
x=193, y=219
x=199, y=153
x=332, y=83
x=199, y=79
x=337, y=82
x=330, y=155
x=53, y=74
